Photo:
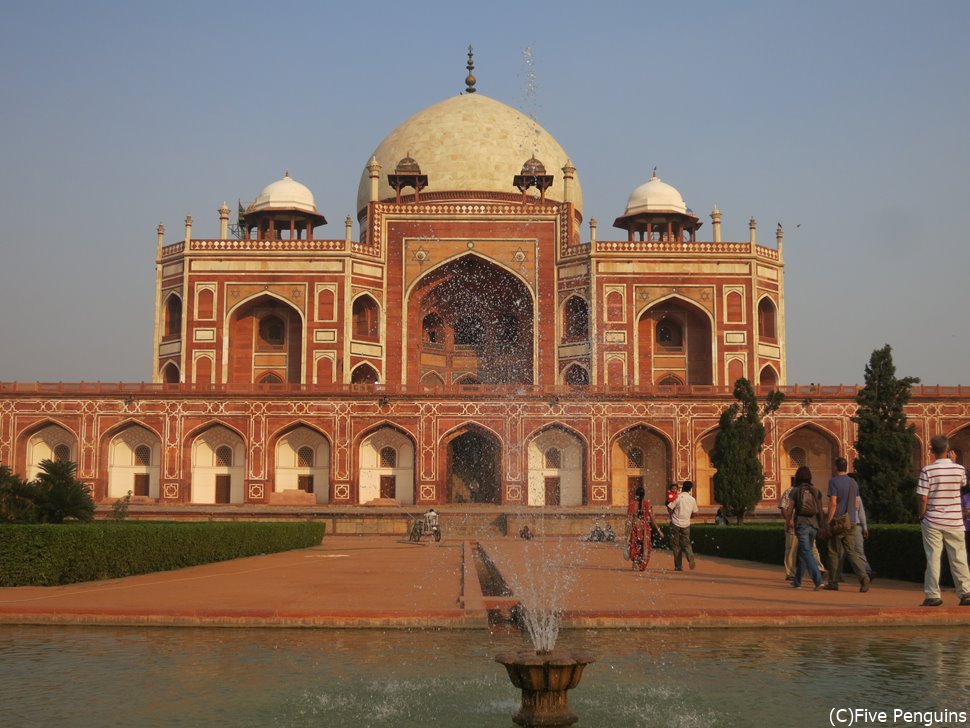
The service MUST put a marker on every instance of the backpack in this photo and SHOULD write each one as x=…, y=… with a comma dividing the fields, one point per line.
x=805, y=503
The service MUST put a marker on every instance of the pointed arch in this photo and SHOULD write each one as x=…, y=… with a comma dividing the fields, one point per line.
x=364, y=373
x=300, y=463
x=381, y=476
x=366, y=318
x=819, y=445
x=768, y=376
x=575, y=319
x=675, y=336
x=487, y=319
x=767, y=319
x=217, y=455
x=170, y=373
x=172, y=328
x=473, y=453
x=556, y=457
x=265, y=332
x=47, y=440
x=128, y=470
x=653, y=469
x=576, y=375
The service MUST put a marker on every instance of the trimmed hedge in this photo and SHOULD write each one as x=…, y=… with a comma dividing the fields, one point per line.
x=894, y=551
x=47, y=554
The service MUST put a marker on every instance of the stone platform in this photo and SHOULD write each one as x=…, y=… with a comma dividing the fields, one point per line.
x=388, y=582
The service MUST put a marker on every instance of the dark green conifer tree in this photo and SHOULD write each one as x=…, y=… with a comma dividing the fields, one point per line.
x=740, y=478
x=885, y=443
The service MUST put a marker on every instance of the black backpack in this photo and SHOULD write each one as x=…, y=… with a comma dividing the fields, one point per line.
x=805, y=503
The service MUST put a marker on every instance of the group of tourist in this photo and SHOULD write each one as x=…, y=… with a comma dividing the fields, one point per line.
x=840, y=518
x=944, y=513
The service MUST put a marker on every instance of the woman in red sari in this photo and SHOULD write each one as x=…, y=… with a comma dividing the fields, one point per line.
x=639, y=518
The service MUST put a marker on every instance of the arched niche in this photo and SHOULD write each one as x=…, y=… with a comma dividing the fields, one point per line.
x=381, y=474
x=674, y=339
x=218, y=466
x=556, y=462
x=265, y=338
x=640, y=456
x=303, y=463
x=483, y=322
x=134, y=463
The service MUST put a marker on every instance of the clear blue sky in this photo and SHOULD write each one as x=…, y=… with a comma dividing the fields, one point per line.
x=845, y=121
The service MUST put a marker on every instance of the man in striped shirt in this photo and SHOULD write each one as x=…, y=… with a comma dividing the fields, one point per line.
x=942, y=520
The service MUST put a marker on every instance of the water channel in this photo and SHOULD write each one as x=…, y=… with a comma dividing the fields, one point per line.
x=91, y=676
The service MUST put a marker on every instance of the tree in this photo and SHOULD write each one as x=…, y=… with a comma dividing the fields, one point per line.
x=60, y=495
x=740, y=478
x=17, y=501
x=885, y=442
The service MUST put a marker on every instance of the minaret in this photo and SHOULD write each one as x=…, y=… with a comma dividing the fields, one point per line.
x=224, y=222
x=374, y=172
x=716, y=223
x=753, y=231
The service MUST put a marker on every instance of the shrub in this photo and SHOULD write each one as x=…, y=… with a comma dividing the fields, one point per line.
x=46, y=555
x=894, y=551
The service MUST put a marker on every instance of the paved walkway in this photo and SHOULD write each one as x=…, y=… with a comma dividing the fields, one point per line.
x=383, y=581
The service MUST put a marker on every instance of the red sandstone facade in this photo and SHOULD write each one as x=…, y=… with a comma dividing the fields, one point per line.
x=473, y=345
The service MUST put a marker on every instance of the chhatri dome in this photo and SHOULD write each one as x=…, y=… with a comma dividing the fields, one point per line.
x=285, y=194
x=655, y=196
x=469, y=143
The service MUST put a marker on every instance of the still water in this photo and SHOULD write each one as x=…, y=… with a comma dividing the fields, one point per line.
x=69, y=676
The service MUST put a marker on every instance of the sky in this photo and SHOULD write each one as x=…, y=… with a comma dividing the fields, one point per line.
x=845, y=122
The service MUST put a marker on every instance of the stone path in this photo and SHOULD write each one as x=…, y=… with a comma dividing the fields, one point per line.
x=384, y=581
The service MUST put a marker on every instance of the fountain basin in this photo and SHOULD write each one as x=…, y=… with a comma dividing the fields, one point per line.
x=544, y=679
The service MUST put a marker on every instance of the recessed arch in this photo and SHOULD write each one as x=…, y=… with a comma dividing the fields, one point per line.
x=767, y=319
x=674, y=336
x=134, y=455
x=265, y=334
x=473, y=454
x=364, y=373
x=576, y=375
x=653, y=470
x=172, y=328
x=301, y=464
x=366, y=318
x=170, y=373
x=556, y=461
x=218, y=464
x=818, y=448
x=377, y=476
x=768, y=376
x=486, y=314
x=45, y=441
x=575, y=319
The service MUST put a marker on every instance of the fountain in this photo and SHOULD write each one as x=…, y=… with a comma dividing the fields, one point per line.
x=544, y=678
x=540, y=581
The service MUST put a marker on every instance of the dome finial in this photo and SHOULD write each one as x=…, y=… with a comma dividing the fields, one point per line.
x=654, y=172
x=470, y=78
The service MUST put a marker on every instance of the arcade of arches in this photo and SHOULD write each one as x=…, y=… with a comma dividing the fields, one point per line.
x=554, y=465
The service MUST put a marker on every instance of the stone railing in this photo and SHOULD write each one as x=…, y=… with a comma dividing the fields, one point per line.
x=798, y=391
x=673, y=246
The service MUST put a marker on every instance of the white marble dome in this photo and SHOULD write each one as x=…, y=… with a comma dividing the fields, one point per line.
x=655, y=196
x=285, y=194
x=469, y=143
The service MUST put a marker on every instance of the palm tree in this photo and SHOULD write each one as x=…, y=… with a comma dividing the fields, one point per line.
x=60, y=495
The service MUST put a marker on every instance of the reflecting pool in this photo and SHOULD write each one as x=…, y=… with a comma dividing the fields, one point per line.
x=70, y=676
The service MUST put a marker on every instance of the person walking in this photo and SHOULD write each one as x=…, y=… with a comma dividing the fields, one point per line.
x=639, y=523
x=803, y=515
x=843, y=492
x=941, y=519
x=791, y=540
x=681, y=509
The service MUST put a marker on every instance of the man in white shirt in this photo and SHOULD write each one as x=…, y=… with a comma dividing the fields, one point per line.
x=941, y=517
x=680, y=512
